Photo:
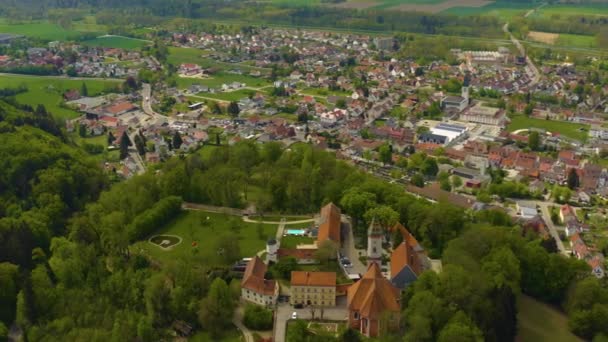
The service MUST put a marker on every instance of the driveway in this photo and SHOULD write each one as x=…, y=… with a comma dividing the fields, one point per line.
x=284, y=311
x=237, y=321
x=349, y=250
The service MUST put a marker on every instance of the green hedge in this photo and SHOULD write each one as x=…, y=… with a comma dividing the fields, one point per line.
x=150, y=220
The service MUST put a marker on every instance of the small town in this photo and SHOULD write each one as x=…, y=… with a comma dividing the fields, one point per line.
x=318, y=175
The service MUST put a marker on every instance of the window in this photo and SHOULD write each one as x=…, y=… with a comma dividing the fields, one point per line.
x=356, y=315
x=374, y=250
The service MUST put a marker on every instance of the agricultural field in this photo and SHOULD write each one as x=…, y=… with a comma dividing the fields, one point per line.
x=597, y=9
x=577, y=41
x=540, y=322
x=39, y=29
x=543, y=37
x=117, y=42
x=194, y=227
x=567, y=129
x=457, y=7
x=503, y=10
x=563, y=39
x=49, y=91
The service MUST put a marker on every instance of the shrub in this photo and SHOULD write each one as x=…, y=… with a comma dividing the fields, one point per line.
x=257, y=317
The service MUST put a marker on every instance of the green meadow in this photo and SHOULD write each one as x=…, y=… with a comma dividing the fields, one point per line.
x=49, y=91
x=117, y=42
x=568, y=129
x=42, y=30
x=589, y=9
x=193, y=226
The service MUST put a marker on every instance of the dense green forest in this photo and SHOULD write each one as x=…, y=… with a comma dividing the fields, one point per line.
x=68, y=271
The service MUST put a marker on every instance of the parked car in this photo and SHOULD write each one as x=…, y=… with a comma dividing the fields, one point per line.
x=294, y=315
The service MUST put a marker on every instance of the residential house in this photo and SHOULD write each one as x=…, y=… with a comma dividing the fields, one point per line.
x=566, y=212
x=255, y=288
x=372, y=300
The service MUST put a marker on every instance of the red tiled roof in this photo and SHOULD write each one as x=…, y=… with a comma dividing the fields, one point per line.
x=406, y=253
x=373, y=294
x=298, y=253
x=120, y=107
x=253, y=279
x=305, y=278
x=329, y=228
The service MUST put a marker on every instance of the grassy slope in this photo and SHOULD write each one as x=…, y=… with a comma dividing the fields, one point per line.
x=49, y=91
x=540, y=322
x=567, y=129
x=188, y=226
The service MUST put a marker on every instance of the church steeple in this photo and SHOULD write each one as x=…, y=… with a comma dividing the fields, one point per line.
x=374, y=243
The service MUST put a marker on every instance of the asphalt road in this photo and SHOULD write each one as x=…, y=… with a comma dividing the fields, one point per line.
x=348, y=249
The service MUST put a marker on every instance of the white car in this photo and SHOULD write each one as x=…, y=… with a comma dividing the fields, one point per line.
x=294, y=315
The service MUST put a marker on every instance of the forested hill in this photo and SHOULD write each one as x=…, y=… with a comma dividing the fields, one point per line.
x=42, y=181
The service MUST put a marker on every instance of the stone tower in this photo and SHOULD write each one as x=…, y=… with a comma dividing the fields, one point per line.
x=374, y=243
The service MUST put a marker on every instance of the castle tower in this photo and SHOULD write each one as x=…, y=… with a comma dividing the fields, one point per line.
x=272, y=248
x=374, y=244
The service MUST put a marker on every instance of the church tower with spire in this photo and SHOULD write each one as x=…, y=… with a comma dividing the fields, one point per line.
x=374, y=243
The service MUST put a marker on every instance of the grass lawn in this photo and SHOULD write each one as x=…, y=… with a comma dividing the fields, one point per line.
x=220, y=78
x=292, y=241
x=540, y=322
x=116, y=42
x=39, y=29
x=229, y=95
x=49, y=91
x=568, y=129
x=188, y=225
x=105, y=156
x=179, y=56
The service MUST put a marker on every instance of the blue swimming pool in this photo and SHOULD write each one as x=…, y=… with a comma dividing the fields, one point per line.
x=295, y=231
